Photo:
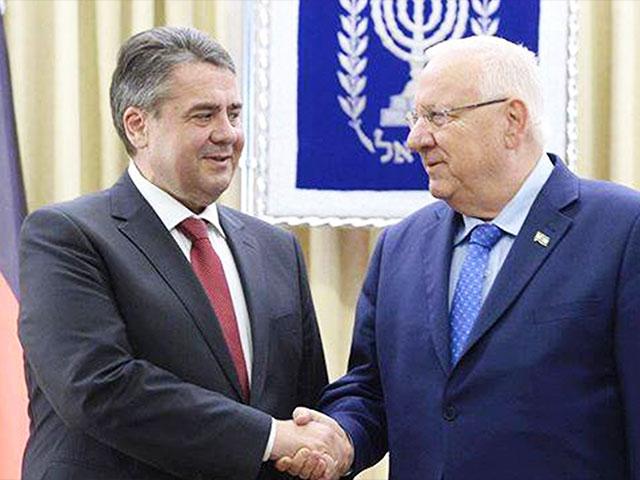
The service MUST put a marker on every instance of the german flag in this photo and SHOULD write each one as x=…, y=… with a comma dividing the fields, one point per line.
x=13, y=393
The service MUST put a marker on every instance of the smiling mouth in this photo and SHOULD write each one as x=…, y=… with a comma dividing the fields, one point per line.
x=217, y=158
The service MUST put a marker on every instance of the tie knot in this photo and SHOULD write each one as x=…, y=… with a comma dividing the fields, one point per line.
x=486, y=235
x=194, y=229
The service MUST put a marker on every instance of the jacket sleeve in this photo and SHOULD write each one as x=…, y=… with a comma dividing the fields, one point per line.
x=356, y=400
x=313, y=374
x=627, y=345
x=75, y=342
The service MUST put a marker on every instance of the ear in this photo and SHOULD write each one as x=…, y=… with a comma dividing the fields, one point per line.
x=136, y=126
x=517, y=123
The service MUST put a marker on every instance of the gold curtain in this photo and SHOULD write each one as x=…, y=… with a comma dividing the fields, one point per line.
x=608, y=83
x=63, y=52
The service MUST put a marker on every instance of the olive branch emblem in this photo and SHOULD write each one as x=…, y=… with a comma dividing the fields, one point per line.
x=353, y=43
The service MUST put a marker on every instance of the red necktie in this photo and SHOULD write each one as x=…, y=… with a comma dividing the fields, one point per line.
x=208, y=268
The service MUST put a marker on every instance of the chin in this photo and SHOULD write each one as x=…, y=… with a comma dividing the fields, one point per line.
x=437, y=191
x=219, y=182
x=216, y=190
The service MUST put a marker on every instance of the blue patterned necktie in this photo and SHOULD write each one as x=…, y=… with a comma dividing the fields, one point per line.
x=467, y=297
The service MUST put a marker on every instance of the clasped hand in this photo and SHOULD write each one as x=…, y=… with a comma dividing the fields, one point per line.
x=311, y=446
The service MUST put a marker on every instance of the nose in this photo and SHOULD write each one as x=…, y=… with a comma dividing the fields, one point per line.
x=222, y=131
x=421, y=136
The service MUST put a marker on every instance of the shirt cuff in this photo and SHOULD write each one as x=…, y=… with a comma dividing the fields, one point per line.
x=270, y=442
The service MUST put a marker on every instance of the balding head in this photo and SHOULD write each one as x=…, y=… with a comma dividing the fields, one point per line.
x=496, y=68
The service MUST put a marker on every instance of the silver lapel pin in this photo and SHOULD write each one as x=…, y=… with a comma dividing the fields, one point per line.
x=541, y=238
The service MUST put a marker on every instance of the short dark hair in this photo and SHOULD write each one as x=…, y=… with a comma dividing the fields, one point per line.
x=145, y=62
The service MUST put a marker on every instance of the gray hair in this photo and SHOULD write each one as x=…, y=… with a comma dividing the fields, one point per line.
x=145, y=62
x=505, y=69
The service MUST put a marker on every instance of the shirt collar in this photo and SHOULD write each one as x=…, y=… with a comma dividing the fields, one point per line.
x=170, y=211
x=514, y=213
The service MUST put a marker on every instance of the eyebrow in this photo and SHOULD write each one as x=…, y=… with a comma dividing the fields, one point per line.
x=215, y=107
x=433, y=106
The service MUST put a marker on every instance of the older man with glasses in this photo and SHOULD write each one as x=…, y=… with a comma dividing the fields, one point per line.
x=497, y=334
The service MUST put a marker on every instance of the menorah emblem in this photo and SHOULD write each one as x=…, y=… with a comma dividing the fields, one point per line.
x=407, y=34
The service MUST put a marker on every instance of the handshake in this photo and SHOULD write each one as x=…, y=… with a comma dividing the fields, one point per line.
x=311, y=446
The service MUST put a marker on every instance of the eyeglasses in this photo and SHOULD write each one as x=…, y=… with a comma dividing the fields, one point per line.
x=440, y=118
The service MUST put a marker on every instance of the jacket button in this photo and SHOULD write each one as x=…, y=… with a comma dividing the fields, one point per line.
x=449, y=413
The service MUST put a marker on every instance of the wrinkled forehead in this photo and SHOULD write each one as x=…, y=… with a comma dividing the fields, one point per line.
x=199, y=82
x=197, y=74
x=450, y=80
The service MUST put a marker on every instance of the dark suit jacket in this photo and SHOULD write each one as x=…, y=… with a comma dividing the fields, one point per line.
x=128, y=373
x=549, y=385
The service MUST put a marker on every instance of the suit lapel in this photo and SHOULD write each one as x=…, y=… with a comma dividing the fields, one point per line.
x=526, y=256
x=145, y=230
x=437, y=264
x=246, y=253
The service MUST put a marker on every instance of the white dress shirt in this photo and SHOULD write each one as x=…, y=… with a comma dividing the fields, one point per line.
x=171, y=213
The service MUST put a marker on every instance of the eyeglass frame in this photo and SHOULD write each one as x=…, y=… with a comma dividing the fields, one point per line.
x=413, y=116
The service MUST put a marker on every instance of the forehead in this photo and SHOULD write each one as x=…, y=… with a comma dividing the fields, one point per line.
x=448, y=81
x=202, y=82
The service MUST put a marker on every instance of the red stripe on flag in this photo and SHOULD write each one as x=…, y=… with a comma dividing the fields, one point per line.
x=13, y=391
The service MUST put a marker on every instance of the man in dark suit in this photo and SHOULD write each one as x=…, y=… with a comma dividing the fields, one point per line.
x=164, y=334
x=497, y=334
